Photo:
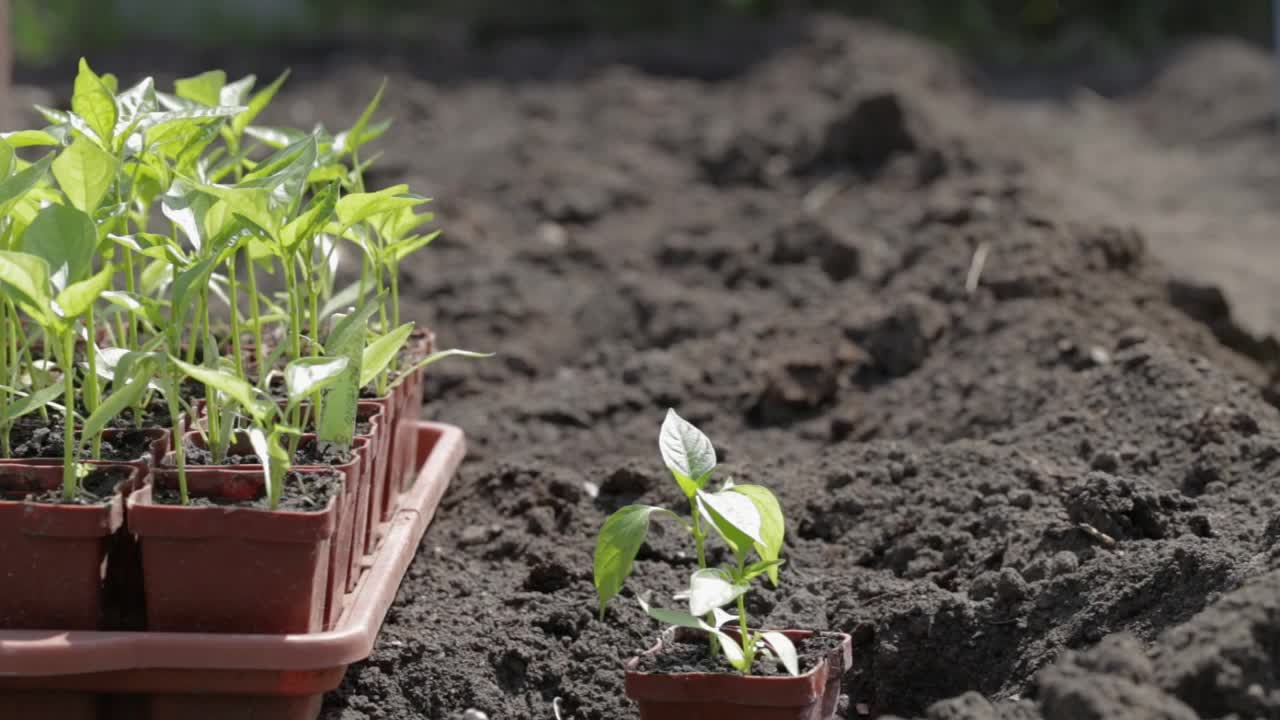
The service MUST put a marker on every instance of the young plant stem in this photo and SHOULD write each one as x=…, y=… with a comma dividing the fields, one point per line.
x=295, y=340
x=745, y=634
x=202, y=315
x=11, y=329
x=255, y=313
x=69, y=480
x=233, y=297
x=179, y=451
x=92, y=393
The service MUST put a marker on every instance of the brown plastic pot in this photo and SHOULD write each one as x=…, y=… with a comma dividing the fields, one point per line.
x=244, y=482
x=228, y=569
x=724, y=696
x=195, y=676
x=52, y=556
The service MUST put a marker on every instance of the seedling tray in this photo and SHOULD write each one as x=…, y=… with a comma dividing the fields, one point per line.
x=118, y=675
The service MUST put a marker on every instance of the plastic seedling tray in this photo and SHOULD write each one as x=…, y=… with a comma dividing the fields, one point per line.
x=82, y=675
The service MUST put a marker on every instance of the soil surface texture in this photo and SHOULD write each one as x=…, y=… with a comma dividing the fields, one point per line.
x=96, y=488
x=304, y=491
x=1028, y=466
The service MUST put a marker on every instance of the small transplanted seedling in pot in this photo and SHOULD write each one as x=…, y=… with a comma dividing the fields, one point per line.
x=747, y=518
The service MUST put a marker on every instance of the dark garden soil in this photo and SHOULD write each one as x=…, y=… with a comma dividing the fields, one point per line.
x=304, y=491
x=308, y=453
x=96, y=488
x=1018, y=462
x=34, y=439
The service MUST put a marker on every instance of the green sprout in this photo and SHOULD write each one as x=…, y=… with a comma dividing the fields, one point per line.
x=747, y=518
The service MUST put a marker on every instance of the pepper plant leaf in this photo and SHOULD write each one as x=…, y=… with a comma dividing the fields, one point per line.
x=773, y=528
x=25, y=278
x=92, y=100
x=85, y=172
x=687, y=452
x=784, y=650
x=712, y=588
x=734, y=517
x=123, y=396
x=205, y=88
x=619, y=541
x=257, y=104
x=226, y=383
x=306, y=376
x=379, y=353
x=436, y=357
x=30, y=402
x=66, y=239
x=347, y=340
x=76, y=299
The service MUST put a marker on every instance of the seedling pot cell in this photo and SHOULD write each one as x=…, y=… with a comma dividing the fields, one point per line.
x=199, y=676
x=244, y=482
x=52, y=556
x=232, y=569
x=727, y=696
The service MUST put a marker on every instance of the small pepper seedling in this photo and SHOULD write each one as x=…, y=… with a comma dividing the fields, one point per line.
x=747, y=518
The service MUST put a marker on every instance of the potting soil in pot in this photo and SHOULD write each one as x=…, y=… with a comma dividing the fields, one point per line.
x=989, y=467
x=37, y=440
x=303, y=491
x=98, y=487
x=694, y=656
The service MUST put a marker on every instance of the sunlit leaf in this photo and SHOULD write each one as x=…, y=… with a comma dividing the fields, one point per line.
x=66, y=239
x=687, y=452
x=85, y=172
x=381, y=351
x=93, y=101
x=773, y=529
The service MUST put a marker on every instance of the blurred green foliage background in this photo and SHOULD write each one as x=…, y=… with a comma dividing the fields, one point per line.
x=1005, y=31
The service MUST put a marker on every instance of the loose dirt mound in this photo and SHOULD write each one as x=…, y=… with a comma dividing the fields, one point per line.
x=998, y=441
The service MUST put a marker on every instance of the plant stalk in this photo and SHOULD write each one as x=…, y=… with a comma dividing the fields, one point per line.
x=69, y=480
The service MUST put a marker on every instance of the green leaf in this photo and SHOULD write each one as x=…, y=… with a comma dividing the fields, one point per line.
x=679, y=618
x=186, y=207
x=306, y=376
x=616, y=547
x=687, y=452
x=236, y=93
x=436, y=357
x=93, y=100
x=226, y=383
x=171, y=131
x=25, y=278
x=275, y=462
x=756, y=569
x=379, y=353
x=358, y=207
x=6, y=159
x=773, y=525
x=13, y=188
x=134, y=103
x=734, y=516
x=30, y=138
x=784, y=650
x=344, y=298
x=122, y=397
x=350, y=141
x=309, y=223
x=274, y=137
x=30, y=402
x=78, y=297
x=193, y=277
x=712, y=588
x=66, y=239
x=84, y=171
x=397, y=252
x=347, y=340
x=257, y=104
x=205, y=88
